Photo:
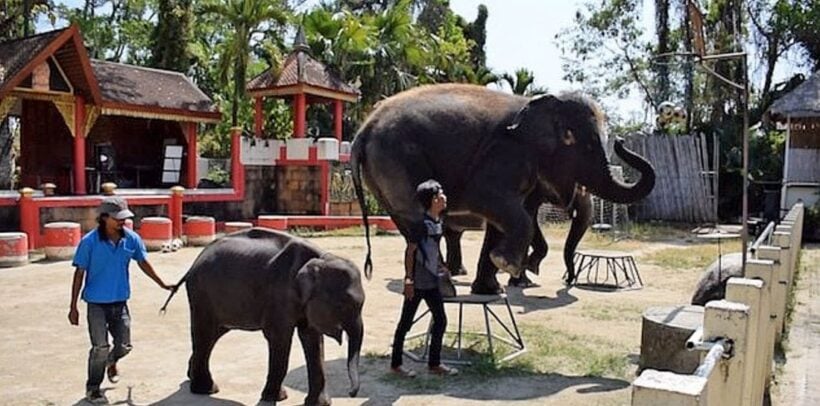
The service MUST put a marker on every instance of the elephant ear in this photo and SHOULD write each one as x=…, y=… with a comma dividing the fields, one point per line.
x=537, y=106
x=540, y=123
x=315, y=284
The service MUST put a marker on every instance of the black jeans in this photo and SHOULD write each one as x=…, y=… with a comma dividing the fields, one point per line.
x=432, y=297
x=103, y=319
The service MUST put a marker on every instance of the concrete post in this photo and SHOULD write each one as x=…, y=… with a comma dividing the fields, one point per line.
x=29, y=217
x=175, y=210
x=749, y=292
x=728, y=319
x=779, y=293
x=765, y=271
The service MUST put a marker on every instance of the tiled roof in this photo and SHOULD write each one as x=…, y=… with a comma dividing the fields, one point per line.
x=135, y=85
x=301, y=68
x=16, y=54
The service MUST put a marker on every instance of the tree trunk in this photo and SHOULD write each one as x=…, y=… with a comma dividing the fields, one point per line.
x=662, y=31
x=6, y=156
x=688, y=73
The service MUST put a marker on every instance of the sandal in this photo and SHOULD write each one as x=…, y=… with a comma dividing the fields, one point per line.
x=443, y=370
x=403, y=372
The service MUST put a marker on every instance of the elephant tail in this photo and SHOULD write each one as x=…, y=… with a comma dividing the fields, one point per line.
x=174, y=290
x=357, y=159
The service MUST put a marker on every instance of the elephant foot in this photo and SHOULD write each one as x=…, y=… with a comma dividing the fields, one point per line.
x=321, y=400
x=486, y=288
x=534, y=264
x=203, y=388
x=459, y=271
x=522, y=282
x=270, y=396
x=570, y=279
x=504, y=264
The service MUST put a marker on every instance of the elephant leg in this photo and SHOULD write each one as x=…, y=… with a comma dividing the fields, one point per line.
x=485, y=282
x=454, y=260
x=279, y=340
x=204, y=335
x=517, y=230
x=539, y=248
x=313, y=345
x=581, y=219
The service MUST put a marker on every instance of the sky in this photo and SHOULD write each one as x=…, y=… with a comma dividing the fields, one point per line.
x=521, y=33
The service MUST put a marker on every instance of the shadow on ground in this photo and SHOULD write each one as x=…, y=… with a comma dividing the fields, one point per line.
x=378, y=387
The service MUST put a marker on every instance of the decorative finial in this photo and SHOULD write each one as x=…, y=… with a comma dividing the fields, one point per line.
x=300, y=43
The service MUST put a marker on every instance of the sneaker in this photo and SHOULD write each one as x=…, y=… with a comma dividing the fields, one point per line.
x=113, y=374
x=443, y=370
x=96, y=397
x=403, y=372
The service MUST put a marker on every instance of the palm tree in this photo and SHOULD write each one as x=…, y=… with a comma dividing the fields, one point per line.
x=523, y=82
x=245, y=19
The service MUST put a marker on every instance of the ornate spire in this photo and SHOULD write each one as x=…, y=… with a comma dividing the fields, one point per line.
x=300, y=43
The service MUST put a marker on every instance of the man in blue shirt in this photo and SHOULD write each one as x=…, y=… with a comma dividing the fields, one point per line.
x=101, y=260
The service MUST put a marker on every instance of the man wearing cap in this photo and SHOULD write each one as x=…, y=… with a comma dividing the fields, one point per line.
x=101, y=261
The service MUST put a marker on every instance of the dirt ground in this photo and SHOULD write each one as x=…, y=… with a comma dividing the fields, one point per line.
x=583, y=344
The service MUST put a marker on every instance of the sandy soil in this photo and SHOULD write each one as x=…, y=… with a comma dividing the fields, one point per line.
x=43, y=358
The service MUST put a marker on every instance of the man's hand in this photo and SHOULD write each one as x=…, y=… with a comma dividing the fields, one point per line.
x=409, y=292
x=74, y=316
x=168, y=287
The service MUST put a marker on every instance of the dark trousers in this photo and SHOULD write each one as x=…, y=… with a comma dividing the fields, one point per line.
x=432, y=297
x=103, y=319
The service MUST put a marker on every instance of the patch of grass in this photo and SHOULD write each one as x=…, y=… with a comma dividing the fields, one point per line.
x=612, y=312
x=548, y=351
x=695, y=256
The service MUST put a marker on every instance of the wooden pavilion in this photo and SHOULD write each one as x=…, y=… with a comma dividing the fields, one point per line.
x=304, y=81
x=800, y=111
x=85, y=121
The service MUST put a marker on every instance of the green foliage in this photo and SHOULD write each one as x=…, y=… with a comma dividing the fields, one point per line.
x=522, y=82
x=171, y=35
x=218, y=176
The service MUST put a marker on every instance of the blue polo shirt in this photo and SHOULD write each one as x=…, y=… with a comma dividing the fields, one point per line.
x=106, y=265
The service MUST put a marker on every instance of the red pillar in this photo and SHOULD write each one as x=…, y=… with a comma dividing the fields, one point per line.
x=29, y=217
x=324, y=183
x=79, y=146
x=237, y=171
x=258, y=122
x=175, y=210
x=338, y=111
x=299, y=110
x=190, y=134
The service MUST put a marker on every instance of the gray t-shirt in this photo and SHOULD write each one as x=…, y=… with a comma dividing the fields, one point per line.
x=426, y=271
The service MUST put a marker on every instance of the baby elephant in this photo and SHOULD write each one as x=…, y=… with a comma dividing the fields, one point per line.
x=712, y=285
x=266, y=280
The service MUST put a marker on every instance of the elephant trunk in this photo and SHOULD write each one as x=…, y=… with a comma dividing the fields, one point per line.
x=618, y=192
x=581, y=219
x=354, y=331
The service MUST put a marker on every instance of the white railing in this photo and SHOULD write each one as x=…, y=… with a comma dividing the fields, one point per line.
x=739, y=333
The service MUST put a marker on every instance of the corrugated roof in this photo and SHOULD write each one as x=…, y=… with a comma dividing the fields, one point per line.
x=803, y=101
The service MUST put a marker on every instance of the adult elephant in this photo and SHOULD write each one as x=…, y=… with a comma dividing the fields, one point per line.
x=579, y=210
x=266, y=280
x=489, y=150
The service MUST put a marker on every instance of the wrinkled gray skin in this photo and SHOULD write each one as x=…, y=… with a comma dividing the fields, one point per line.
x=261, y=279
x=580, y=211
x=489, y=150
x=712, y=285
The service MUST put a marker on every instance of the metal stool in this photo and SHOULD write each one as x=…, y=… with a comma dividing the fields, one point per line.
x=513, y=338
x=615, y=263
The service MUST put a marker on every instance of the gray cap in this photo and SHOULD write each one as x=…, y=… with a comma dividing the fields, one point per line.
x=116, y=207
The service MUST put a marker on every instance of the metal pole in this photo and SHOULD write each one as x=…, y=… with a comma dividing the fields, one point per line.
x=745, y=172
